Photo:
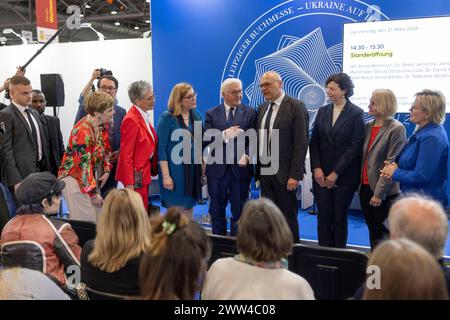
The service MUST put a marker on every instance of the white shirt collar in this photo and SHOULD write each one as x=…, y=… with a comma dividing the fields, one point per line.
x=279, y=99
x=144, y=114
x=227, y=107
x=21, y=108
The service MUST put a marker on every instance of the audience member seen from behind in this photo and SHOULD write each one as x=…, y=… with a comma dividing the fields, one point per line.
x=52, y=131
x=39, y=196
x=85, y=152
x=384, y=137
x=110, y=263
x=260, y=271
x=175, y=265
x=26, y=284
x=423, y=221
x=422, y=165
x=179, y=179
x=406, y=272
x=335, y=149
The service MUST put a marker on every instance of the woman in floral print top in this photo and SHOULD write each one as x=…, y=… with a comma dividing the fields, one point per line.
x=88, y=148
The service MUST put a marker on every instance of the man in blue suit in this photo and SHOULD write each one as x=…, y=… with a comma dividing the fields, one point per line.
x=229, y=175
x=108, y=84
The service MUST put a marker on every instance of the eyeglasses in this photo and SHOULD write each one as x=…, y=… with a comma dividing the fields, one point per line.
x=235, y=92
x=151, y=98
x=191, y=97
x=109, y=89
x=38, y=101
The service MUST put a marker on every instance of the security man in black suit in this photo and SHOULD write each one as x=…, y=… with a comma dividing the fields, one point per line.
x=282, y=146
x=24, y=147
x=52, y=131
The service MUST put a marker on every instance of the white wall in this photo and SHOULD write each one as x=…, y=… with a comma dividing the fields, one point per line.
x=128, y=59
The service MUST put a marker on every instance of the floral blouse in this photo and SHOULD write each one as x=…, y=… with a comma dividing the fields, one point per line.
x=87, y=149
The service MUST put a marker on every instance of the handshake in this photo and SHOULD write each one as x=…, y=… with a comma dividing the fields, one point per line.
x=232, y=132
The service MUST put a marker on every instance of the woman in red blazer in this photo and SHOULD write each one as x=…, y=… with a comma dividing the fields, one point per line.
x=138, y=159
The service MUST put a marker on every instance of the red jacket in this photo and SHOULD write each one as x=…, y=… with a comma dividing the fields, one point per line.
x=136, y=146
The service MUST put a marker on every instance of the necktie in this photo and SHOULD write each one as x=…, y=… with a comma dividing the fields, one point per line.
x=267, y=128
x=230, y=116
x=33, y=129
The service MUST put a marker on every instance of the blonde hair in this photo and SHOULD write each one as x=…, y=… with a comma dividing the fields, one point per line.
x=97, y=102
x=433, y=102
x=263, y=233
x=123, y=231
x=179, y=91
x=385, y=101
x=177, y=258
x=407, y=271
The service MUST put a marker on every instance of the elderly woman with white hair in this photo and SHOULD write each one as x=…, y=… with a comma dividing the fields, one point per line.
x=138, y=159
x=422, y=165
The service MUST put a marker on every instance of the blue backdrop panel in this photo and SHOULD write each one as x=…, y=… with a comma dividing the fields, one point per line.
x=205, y=41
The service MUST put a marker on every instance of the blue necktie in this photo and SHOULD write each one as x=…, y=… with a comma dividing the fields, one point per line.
x=230, y=116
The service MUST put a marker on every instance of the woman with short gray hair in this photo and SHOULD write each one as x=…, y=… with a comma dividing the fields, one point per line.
x=138, y=157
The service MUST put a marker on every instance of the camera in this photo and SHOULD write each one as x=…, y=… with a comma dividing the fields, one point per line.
x=104, y=72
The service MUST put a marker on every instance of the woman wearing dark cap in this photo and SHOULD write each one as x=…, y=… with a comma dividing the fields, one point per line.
x=335, y=151
x=39, y=195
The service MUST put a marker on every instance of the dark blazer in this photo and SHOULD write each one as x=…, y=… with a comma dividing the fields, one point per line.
x=388, y=143
x=55, y=143
x=118, y=118
x=338, y=147
x=293, y=141
x=18, y=149
x=244, y=117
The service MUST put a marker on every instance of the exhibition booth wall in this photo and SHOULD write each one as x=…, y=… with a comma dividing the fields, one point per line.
x=206, y=41
x=128, y=59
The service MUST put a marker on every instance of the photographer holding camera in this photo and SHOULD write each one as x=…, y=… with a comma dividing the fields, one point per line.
x=108, y=84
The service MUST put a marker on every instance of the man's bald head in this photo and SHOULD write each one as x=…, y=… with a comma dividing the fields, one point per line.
x=271, y=85
x=421, y=220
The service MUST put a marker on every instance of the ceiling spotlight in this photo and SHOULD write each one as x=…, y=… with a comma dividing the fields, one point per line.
x=88, y=6
x=113, y=12
x=136, y=27
x=87, y=25
x=11, y=31
x=117, y=23
x=147, y=21
x=81, y=15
